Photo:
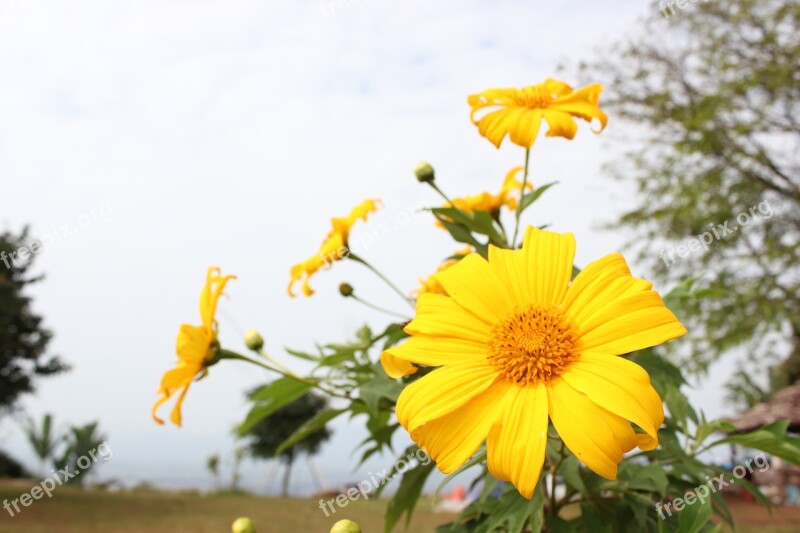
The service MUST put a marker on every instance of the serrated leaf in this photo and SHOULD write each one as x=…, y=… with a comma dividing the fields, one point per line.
x=270, y=398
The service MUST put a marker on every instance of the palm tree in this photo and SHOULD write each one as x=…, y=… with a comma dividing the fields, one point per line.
x=43, y=439
x=82, y=442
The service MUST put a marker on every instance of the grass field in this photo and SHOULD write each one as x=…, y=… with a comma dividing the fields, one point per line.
x=73, y=510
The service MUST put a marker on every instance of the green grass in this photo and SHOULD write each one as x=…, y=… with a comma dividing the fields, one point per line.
x=74, y=510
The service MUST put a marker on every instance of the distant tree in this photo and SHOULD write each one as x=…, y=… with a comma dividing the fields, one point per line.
x=23, y=338
x=710, y=97
x=10, y=467
x=264, y=439
x=212, y=464
x=80, y=442
x=43, y=439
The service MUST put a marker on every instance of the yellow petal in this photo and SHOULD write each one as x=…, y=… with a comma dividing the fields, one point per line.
x=583, y=295
x=583, y=103
x=439, y=315
x=474, y=285
x=548, y=261
x=396, y=368
x=513, y=270
x=596, y=437
x=193, y=343
x=452, y=439
x=442, y=391
x=643, y=321
x=437, y=351
x=516, y=444
x=525, y=128
x=561, y=124
x=621, y=387
x=209, y=296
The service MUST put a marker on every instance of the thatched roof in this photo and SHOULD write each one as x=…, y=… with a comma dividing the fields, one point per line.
x=783, y=406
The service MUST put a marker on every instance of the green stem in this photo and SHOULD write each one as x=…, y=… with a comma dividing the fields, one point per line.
x=441, y=193
x=227, y=354
x=378, y=308
x=386, y=280
x=521, y=197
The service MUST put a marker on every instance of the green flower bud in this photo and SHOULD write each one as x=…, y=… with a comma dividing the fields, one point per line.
x=243, y=525
x=424, y=172
x=346, y=290
x=345, y=526
x=253, y=340
x=214, y=352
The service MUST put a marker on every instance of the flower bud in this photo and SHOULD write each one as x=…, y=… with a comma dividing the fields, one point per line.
x=345, y=526
x=243, y=525
x=253, y=340
x=424, y=172
x=346, y=290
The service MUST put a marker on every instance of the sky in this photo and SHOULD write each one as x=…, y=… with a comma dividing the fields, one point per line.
x=151, y=139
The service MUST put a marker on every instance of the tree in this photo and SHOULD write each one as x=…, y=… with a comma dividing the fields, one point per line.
x=23, y=338
x=82, y=442
x=264, y=439
x=212, y=465
x=43, y=439
x=711, y=96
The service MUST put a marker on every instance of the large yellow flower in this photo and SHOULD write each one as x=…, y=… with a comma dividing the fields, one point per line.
x=195, y=346
x=518, y=343
x=333, y=248
x=519, y=112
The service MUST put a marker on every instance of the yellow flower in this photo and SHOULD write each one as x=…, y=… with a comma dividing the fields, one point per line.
x=493, y=202
x=518, y=343
x=519, y=112
x=333, y=248
x=195, y=346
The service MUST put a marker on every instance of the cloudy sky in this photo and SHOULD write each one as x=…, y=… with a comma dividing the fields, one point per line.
x=151, y=139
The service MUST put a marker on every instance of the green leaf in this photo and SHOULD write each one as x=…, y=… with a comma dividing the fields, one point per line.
x=372, y=391
x=531, y=197
x=302, y=355
x=694, y=517
x=270, y=398
x=477, y=458
x=651, y=478
x=407, y=495
x=319, y=421
x=570, y=469
x=771, y=439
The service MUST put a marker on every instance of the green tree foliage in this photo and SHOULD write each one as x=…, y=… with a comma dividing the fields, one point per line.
x=81, y=441
x=264, y=439
x=23, y=338
x=43, y=439
x=711, y=101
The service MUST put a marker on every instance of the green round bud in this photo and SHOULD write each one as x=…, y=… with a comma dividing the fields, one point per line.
x=424, y=172
x=345, y=526
x=346, y=290
x=214, y=353
x=243, y=525
x=253, y=340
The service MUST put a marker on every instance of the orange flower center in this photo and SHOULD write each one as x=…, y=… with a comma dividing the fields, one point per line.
x=534, y=97
x=532, y=345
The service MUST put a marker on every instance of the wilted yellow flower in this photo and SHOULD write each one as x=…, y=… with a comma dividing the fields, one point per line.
x=517, y=342
x=519, y=112
x=333, y=248
x=195, y=346
x=507, y=196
